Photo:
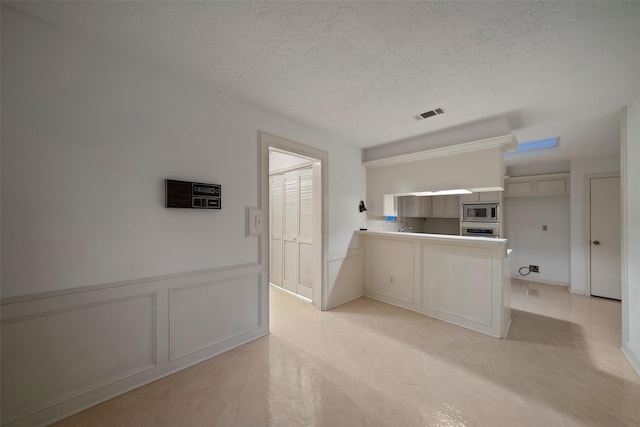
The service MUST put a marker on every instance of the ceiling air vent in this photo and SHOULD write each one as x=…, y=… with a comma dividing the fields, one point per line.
x=428, y=114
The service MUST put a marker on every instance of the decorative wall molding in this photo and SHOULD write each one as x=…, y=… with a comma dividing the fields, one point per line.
x=505, y=142
x=222, y=321
x=89, y=344
x=345, y=277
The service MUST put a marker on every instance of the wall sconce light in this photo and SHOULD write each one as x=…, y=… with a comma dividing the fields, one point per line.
x=362, y=207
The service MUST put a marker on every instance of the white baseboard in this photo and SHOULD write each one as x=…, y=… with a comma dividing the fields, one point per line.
x=293, y=294
x=541, y=280
x=632, y=356
x=152, y=327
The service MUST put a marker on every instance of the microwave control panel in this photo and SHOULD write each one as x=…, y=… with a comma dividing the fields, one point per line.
x=196, y=195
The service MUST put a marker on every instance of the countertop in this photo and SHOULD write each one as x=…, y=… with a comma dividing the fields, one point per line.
x=436, y=237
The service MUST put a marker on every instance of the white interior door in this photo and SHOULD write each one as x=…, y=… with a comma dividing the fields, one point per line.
x=290, y=234
x=305, y=234
x=292, y=203
x=276, y=198
x=605, y=237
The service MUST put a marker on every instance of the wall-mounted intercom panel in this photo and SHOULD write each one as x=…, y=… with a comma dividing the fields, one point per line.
x=187, y=194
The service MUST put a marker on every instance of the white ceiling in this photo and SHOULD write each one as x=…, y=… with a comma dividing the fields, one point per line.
x=362, y=70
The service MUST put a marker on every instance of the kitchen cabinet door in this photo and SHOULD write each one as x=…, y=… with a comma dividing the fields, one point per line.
x=484, y=196
x=489, y=196
x=538, y=185
x=414, y=206
x=470, y=198
x=445, y=207
x=390, y=205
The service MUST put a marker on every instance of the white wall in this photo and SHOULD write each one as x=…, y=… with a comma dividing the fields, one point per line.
x=631, y=342
x=579, y=238
x=549, y=249
x=88, y=137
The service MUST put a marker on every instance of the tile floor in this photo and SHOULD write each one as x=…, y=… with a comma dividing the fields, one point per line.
x=367, y=363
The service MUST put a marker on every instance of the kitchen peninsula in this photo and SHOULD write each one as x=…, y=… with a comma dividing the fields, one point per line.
x=460, y=280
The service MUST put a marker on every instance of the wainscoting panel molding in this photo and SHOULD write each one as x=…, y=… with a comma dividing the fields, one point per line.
x=65, y=351
x=206, y=314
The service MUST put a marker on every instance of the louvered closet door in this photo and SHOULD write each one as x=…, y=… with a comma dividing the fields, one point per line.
x=275, y=216
x=290, y=232
x=305, y=234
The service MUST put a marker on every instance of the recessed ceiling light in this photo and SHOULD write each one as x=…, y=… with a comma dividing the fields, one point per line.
x=430, y=113
x=539, y=144
x=442, y=192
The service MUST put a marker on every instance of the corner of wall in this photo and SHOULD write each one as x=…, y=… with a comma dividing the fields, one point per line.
x=632, y=355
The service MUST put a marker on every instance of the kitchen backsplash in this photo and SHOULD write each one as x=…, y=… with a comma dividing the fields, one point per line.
x=418, y=225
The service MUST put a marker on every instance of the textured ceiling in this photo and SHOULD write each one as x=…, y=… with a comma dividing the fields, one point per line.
x=363, y=70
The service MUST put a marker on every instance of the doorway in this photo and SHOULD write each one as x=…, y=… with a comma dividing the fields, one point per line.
x=291, y=222
x=293, y=186
x=604, y=237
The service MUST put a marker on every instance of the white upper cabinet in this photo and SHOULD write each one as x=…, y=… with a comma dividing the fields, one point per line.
x=429, y=206
x=485, y=196
x=390, y=205
x=414, y=206
x=445, y=206
x=556, y=184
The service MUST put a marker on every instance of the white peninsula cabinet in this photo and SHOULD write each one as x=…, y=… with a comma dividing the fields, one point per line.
x=461, y=280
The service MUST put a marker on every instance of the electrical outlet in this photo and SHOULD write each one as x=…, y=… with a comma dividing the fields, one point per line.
x=534, y=269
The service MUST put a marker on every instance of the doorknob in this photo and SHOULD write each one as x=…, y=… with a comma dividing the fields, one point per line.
x=596, y=242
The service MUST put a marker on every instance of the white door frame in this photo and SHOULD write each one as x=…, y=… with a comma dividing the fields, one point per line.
x=587, y=222
x=320, y=234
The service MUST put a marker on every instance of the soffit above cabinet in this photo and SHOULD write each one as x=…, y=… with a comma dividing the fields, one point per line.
x=505, y=143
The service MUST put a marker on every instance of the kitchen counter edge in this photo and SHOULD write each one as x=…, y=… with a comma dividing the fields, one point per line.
x=437, y=237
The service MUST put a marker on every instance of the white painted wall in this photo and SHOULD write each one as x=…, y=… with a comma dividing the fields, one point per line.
x=549, y=249
x=631, y=342
x=579, y=237
x=89, y=137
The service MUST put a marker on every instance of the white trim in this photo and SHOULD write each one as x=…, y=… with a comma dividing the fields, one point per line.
x=587, y=222
x=632, y=356
x=291, y=169
x=266, y=142
x=624, y=243
x=337, y=256
x=542, y=281
x=293, y=294
x=505, y=142
x=76, y=301
x=139, y=282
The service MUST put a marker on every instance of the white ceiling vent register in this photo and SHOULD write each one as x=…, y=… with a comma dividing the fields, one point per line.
x=428, y=114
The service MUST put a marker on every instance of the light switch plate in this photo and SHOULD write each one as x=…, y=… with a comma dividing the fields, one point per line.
x=254, y=221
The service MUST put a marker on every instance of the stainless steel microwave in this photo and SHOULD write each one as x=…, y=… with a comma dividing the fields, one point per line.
x=481, y=212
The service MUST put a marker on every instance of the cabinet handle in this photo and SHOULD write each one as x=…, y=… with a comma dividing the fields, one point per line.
x=596, y=242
